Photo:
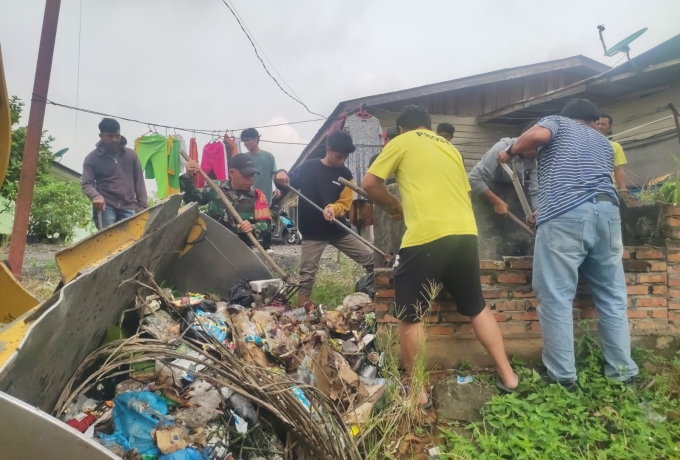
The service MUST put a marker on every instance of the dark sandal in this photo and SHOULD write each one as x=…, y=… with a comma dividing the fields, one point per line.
x=501, y=386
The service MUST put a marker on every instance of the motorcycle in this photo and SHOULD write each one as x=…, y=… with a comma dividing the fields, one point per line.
x=284, y=229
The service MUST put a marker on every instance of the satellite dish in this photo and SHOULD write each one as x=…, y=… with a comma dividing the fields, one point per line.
x=622, y=46
x=60, y=154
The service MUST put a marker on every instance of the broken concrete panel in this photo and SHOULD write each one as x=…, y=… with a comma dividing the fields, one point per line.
x=454, y=401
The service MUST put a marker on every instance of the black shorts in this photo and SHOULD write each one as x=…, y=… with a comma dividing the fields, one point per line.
x=451, y=261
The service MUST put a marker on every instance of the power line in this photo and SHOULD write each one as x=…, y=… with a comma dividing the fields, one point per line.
x=263, y=52
x=264, y=65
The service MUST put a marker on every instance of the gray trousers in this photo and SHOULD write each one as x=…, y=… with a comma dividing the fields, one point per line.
x=311, y=257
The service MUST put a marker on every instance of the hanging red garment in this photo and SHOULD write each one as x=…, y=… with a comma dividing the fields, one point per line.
x=193, y=154
x=213, y=161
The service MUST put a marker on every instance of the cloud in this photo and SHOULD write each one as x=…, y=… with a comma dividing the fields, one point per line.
x=284, y=142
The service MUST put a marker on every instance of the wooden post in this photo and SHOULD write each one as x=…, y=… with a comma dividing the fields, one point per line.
x=36, y=116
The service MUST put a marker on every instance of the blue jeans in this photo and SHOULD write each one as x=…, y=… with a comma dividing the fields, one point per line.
x=111, y=215
x=586, y=238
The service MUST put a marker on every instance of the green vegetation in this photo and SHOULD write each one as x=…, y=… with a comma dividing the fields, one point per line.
x=602, y=420
x=58, y=207
x=332, y=287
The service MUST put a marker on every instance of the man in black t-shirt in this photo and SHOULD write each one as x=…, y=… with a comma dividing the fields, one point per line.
x=318, y=180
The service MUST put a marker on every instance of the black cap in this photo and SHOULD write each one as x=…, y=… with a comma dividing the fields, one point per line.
x=392, y=131
x=243, y=163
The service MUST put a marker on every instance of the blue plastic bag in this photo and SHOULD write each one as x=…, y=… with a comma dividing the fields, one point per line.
x=135, y=414
x=184, y=454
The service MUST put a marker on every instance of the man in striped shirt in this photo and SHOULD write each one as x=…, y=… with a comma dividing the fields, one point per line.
x=578, y=230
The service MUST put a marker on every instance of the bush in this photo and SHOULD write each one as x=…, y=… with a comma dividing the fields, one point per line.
x=58, y=209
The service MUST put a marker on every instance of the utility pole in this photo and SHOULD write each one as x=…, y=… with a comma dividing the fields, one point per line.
x=36, y=117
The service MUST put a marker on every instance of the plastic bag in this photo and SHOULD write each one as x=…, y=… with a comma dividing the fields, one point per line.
x=241, y=294
x=135, y=415
x=184, y=454
x=204, y=400
x=366, y=285
x=243, y=407
x=200, y=324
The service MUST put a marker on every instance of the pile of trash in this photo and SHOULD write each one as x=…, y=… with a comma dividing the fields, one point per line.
x=188, y=376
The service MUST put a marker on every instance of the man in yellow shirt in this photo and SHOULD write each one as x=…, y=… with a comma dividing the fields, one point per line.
x=440, y=244
x=604, y=125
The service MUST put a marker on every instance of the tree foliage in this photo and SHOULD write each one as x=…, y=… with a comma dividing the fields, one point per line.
x=17, y=153
x=58, y=207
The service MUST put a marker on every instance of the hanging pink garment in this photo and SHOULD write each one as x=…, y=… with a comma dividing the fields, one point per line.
x=213, y=162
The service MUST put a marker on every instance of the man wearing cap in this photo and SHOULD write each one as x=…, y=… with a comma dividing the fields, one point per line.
x=250, y=203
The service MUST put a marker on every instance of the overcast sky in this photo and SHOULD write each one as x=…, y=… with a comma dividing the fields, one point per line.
x=187, y=63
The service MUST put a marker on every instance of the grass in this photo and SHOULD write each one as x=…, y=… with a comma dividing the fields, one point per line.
x=332, y=286
x=602, y=420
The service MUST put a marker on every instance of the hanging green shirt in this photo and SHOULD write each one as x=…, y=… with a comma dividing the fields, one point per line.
x=266, y=166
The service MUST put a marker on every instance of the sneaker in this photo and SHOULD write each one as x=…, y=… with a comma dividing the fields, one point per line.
x=630, y=382
x=269, y=251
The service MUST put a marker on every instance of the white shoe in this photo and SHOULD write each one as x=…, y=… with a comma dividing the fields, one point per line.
x=269, y=251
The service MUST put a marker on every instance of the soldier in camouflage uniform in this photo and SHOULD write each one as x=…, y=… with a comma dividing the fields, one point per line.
x=250, y=203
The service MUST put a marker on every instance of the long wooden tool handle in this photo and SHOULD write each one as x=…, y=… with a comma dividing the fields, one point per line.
x=238, y=219
x=362, y=192
x=337, y=222
x=524, y=226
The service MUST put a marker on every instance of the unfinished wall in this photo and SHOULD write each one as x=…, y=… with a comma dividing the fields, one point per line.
x=652, y=276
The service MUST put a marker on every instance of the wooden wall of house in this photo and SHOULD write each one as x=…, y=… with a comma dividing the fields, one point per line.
x=471, y=139
x=478, y=100
x=638, y=110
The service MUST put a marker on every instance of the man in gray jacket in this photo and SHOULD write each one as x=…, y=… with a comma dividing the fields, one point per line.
x=489, y=170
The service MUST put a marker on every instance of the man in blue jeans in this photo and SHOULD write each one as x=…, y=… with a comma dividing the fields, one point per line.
x=578, y=228
x=113, y=178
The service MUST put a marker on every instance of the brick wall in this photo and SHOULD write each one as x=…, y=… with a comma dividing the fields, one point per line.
x=652, y=278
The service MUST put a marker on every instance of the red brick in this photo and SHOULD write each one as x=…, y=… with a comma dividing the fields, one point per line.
x=670, y=232
x=534, y=302
x=382, y=281
x=673, y=304
x=431, y=319
x=522, y=294
x=495, y=294
x=511, y=305
x=652, y=278
x=637, y=314
x=672, y=210
x=382, y=307
x=500, y=317
x=673, y=257
x=485, y=279
x=636, y=265
x=513, y=327
x=465, y=329
x=583, y=303
x=535, y=326
x=512, y=278
x=491, y=265
x=660, y=313
x=673, y=316
x=455, y=318
x=648, y=254
x=626, y=254
x=672, y=222
x=673, y=268
x=528, y=316
x=658, y=267
x=389, y=293
x=445, y=306
x=388, y=319
x=673, y=280
x=521, y=263
x=640, y=289
x=659, y=289
x=441, y=330
x=588, y=313
x=650, y=302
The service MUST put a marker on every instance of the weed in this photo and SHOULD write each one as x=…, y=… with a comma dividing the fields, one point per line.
x=331, y=288
x=602, y=420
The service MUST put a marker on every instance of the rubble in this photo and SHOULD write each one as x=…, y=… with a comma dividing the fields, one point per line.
x=240, y=378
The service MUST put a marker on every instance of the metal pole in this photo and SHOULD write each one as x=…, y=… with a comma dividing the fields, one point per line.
x=676, y=117
x=338, y=223
x=36, y=117
x=362, y=192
